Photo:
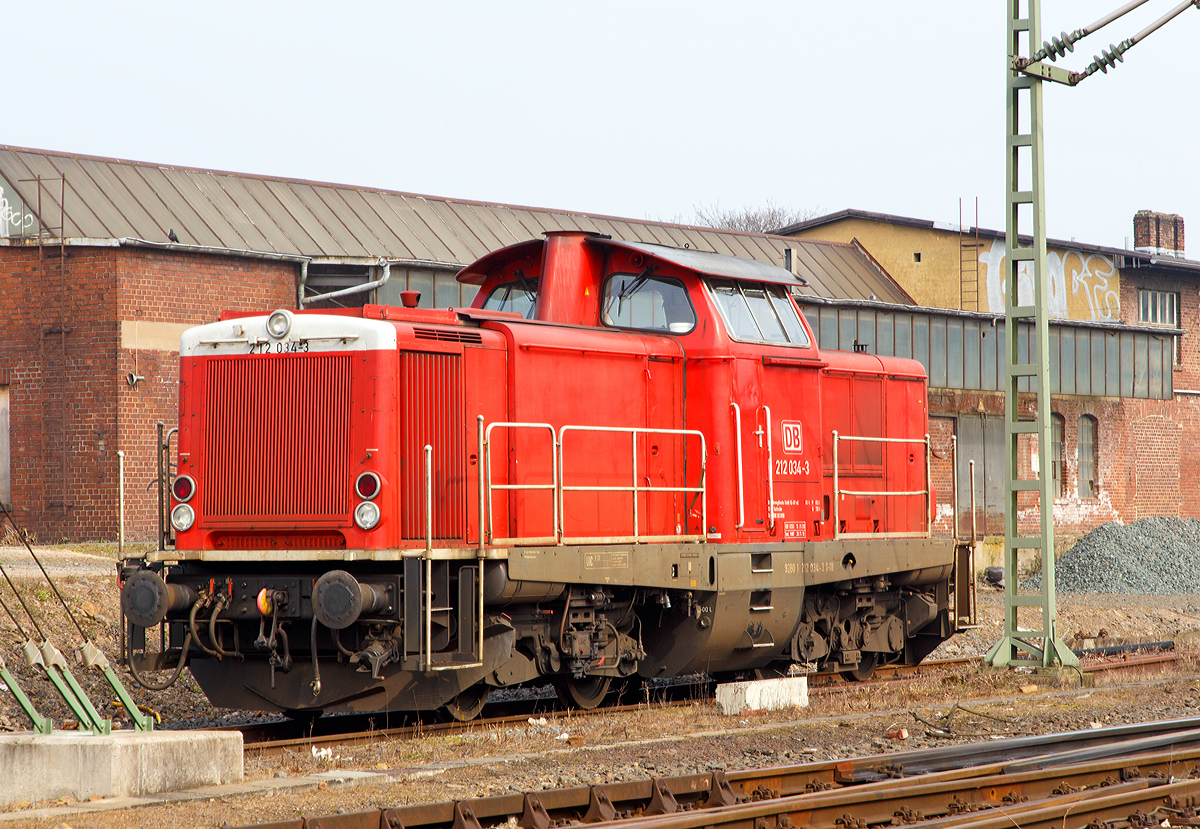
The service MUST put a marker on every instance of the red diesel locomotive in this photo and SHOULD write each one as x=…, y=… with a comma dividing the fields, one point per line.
x=623, y=461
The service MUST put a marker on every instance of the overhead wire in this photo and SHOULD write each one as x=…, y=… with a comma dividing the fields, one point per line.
x=49, y=580
x=21, y=599
x=16, y=624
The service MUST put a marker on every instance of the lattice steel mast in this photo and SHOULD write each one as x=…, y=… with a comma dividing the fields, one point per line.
x=1024, y=76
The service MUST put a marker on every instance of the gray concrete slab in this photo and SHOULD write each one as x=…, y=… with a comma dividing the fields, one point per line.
x=81, y=765
x=762, y=695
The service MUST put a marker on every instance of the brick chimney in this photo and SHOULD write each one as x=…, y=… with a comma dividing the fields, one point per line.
x=1158, y=233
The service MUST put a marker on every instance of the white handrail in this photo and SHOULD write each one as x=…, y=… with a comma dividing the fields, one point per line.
x=770, y=474
x=838, y=492
x=552, y=486
x=636, y=537
x=737, y=429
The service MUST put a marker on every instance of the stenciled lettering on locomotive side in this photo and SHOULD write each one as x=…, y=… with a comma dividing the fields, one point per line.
x=279, y=347
x=606, y=560
x=790, y=466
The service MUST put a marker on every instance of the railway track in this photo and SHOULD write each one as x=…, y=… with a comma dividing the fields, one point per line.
x=1129, y=777
x=274, y=738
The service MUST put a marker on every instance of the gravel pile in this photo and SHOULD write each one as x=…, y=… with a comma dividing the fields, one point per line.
x=1154, y=555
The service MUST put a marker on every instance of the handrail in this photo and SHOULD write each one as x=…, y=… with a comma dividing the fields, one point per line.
x=770, y=474
x=636, y=537
x=838, y=492
x=737, y=429
x=553, y=486
x=428, y=481
x=427, y=556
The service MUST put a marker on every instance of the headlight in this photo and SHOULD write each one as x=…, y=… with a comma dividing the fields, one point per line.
x=366, y=515
x=183, y=488
x=367, y=486
x=182, y=517
x=278, y=324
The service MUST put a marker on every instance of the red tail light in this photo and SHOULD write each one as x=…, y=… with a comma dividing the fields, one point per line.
x=367, y=486
x=183, y=488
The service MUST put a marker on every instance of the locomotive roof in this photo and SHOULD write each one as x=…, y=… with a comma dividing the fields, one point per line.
x=712, y=264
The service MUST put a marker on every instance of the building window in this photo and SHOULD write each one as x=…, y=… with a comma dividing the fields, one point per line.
x=1088, y=485
x=1160, y=308
x=438, y=290
x=1056, y=456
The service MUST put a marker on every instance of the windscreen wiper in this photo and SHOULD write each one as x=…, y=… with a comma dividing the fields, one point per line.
x=630, y=288
x=525, y=284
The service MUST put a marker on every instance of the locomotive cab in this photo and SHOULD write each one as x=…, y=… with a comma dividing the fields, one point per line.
x=625, y=461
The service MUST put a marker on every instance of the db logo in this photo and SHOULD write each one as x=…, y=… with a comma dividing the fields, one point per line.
x=792, y=436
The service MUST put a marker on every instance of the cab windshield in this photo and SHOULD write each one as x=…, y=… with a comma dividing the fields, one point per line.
x=518, y=296
x=758, y=312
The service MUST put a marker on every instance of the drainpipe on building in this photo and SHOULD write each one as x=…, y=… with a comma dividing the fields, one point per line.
x=303, y=282
x=121, y=504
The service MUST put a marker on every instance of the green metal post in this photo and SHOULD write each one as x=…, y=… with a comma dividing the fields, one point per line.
x=93, y=657
x=41, y=725
x=60, y=674
x=1025, y=155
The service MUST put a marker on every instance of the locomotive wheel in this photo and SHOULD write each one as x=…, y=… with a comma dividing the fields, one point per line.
x=586, y=693
x=467, y=705
x=865, y=669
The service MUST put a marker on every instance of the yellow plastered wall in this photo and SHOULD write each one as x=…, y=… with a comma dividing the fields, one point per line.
x=1083, y=285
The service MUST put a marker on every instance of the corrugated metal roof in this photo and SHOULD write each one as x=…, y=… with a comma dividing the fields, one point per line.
x=1123, y=257
x=109, y=198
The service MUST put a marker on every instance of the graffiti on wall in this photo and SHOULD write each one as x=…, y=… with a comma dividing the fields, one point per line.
x=1082, y=285
x=15, y=220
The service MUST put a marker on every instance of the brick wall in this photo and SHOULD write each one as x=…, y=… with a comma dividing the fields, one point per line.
x=1147, y=460
x=161, y=286
x=58, y=347
x=71, y=410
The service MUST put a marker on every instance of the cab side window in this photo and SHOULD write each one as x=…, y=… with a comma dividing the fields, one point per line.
x=518, y=296
x=653, y=303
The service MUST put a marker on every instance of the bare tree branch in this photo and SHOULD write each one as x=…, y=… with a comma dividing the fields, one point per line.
x=770, y=216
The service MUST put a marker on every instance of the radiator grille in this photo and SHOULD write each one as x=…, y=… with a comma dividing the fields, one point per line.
x=278, y=541
x=442, y=335
x=431, y=407
x=277, y=437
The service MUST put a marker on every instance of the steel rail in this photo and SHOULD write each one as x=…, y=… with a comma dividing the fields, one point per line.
x=264, y=737
x=962, y=797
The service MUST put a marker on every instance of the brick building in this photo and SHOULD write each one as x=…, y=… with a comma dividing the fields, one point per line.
x=1125, y=362
x=103, y=263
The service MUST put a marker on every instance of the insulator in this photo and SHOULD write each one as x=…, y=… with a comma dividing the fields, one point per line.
x=1056, y=47
x=1107, y=57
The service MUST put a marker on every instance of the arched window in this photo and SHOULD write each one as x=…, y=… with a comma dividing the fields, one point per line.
x=1089, y=486
x=1056, y=455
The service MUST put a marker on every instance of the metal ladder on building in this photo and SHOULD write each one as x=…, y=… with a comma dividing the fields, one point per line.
x=968, y=262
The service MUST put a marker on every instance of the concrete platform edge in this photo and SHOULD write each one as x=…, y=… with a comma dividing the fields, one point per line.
x=269, y=787
x=80, y=765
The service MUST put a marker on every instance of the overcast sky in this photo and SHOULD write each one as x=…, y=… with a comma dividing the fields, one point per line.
x=640, y=109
